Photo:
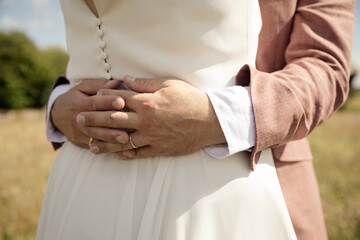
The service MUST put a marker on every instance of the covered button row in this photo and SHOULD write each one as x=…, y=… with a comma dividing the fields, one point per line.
x=102, y=45
x=97, y=21
x=100, y=33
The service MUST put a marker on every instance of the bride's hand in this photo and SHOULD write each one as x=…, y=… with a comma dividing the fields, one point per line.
x=79, y=99
x=170, y=117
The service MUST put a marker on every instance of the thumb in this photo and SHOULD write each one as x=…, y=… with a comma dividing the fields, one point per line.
x=144, y=85
x=91, y=86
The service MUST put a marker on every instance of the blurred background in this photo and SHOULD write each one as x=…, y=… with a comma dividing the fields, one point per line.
x=32, y=55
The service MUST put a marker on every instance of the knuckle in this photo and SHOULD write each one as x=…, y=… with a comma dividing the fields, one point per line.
x=89, y=119
x=150, y=105
x=142, y=83
x=111, y=120
x=92, y=104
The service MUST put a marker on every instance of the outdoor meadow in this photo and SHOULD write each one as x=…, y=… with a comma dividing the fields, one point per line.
x=26, y=157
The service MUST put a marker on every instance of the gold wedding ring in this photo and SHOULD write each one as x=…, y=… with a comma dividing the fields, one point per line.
x=91, y=140
x=132, y=143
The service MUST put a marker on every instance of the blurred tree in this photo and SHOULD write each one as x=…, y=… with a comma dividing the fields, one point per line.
x=57, y=58
x=26, y=73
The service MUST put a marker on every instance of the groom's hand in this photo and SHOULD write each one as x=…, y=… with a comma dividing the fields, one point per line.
x=79, y=99
x=171, y=117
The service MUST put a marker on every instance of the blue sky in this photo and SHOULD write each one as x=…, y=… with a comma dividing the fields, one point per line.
x=42, y=20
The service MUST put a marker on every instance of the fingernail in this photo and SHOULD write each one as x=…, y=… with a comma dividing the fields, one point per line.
x=99, y=93
x=108, y=84
x=127, y=154
x=94, y=149
x=130, y=78
x=80, y=119
x=120, y=139
x=116, y=104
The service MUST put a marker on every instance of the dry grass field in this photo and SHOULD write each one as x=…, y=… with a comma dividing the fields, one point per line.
x=25, y=162
x=26, y=159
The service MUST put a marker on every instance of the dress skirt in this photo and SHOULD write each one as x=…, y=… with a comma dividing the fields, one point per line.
x=192, y=197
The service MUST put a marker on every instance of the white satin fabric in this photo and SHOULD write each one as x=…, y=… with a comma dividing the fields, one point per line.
x=193, y=196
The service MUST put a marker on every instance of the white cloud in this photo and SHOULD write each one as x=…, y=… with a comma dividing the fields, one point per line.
x=9, y=22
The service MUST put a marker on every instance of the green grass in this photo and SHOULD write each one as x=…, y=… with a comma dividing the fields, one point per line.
x=26, y=158
x=336, y=150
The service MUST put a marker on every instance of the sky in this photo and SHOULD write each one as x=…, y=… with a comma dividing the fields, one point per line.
x=42, y=21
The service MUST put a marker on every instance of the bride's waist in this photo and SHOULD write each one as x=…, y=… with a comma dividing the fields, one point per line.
x=198, y=159
x=201, y=74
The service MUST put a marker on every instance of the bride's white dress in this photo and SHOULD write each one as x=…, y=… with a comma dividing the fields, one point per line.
x=194, y=196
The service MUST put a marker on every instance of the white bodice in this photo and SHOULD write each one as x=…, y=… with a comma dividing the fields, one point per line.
x=203, y=42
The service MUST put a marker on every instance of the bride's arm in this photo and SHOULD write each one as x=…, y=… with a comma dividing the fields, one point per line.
x=53, y=135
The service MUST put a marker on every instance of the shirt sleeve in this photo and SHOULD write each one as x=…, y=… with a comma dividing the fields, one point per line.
x=233, y=108
x=52, y=133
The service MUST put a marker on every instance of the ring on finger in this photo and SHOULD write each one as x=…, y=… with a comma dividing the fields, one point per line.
x=132, y=143
x=91, y=140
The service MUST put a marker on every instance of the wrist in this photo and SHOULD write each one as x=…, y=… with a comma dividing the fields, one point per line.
x=55, y=113
x=212, y=130
x=53, y=106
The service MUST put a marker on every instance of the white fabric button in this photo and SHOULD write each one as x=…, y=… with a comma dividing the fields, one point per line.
x=101, y=44
x=106, y=66
x=100, y=33
x=97, y=22
x=103, y=55
x=107, y=76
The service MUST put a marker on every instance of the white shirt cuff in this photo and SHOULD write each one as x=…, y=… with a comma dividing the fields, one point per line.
x=52, y=134
x=233, y=108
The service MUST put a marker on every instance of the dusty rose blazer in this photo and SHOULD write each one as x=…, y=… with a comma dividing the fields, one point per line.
x=300, y=79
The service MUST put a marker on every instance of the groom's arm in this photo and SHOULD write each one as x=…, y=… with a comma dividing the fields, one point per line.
x=302, y=73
